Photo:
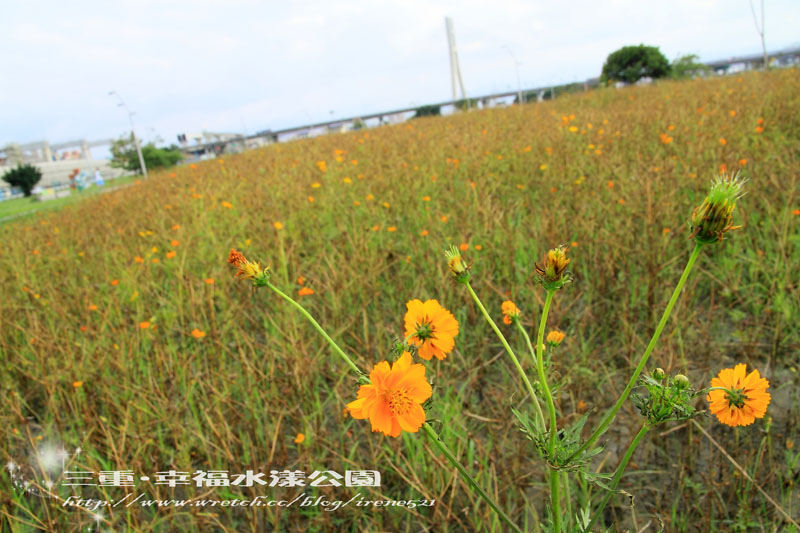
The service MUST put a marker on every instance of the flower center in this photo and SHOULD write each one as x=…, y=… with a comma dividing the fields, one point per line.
x=398, y=401
x=735, y=397
x=424, y=331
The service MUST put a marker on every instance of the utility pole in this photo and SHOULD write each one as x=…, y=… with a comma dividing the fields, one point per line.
x=760, y=30
x=516, y=67
x=142, y=166
x=455, y=69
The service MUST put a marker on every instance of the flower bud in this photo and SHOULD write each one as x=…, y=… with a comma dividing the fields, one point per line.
x=552, y=272
x=658, y=374
x=248, y=269
x=458, y=268
x=711, y=219
x=681, y=381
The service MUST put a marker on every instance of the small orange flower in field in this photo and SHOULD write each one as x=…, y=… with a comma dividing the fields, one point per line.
x=665, y=231
x=192, y=165
x=77, y=384
x=114, y=282
x=463, y=247
x=301, y=280
x=356, y=203
x=742, y=162
x=581, y=406
x=759, y=129
x=478, y=247
x=176, y=227
x=92, y=307
x=796, y=212
x=155, y=260
x=723, y=168
x=316, y=185
x=426, y=198
x=510, y=311
x=173, y=175
x=431, y=328
x=393, y=400
x=144, y=325
x=760, y=121
x=386, y=205
x=610, y=184
x=139, y=259
x=227, y=205
x=83, y=328
x=444, y=218
x=542, y=167
x=209, y=281
x=722, y=141
x=305, y=291
x=376, y=228
x=621, y=201
x=740, y=397
x=370, y=197
x=198, y=334
x=299, y=438
x=423, y=233
x=554, y=337
x=174, y=243
x=732, y=113
x=171, y=254
x=311, y=199
x=277, y=225
x=573, y=244
x=322, y=166
x=391, y=229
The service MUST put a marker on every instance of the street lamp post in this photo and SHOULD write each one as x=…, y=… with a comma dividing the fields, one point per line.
x=516, y=67
x=142, y=166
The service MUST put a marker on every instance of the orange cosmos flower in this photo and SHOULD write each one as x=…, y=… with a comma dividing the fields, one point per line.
x=305, y=291
x=198, y=334
x=554, y=337
x=299, y=438
x=144, y=325
x=740, y=398
x=510, y=311
x=431, y=328
x=393, y=400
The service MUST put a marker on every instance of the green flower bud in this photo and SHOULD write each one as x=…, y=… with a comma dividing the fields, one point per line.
x=711, y=219
x=681, y=381
x=658, y=374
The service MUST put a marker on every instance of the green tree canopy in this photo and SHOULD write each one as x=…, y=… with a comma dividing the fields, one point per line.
x=124, y=155
x=631, y=63
x=24, y=177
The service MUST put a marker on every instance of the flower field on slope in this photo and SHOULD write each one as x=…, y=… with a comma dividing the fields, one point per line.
x=123, y=332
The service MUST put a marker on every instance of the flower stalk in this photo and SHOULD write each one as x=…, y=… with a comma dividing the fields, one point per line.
x=609, y=417
x=437, y=441
x=525, y=380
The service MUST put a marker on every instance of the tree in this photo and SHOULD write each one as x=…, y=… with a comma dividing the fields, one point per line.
x=687, y=66
x=631, y=63
x=428, y=111
x=24, y=177
x=125, y=156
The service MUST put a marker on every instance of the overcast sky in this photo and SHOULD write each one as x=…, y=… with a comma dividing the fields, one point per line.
x=246, y=66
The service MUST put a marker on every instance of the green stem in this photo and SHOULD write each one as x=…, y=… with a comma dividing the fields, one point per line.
x=618, y=474
x=508, y=349
x=533, y=356
x=474, y=484
x=656, y=334
x=321, y=331
x=555, y=502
